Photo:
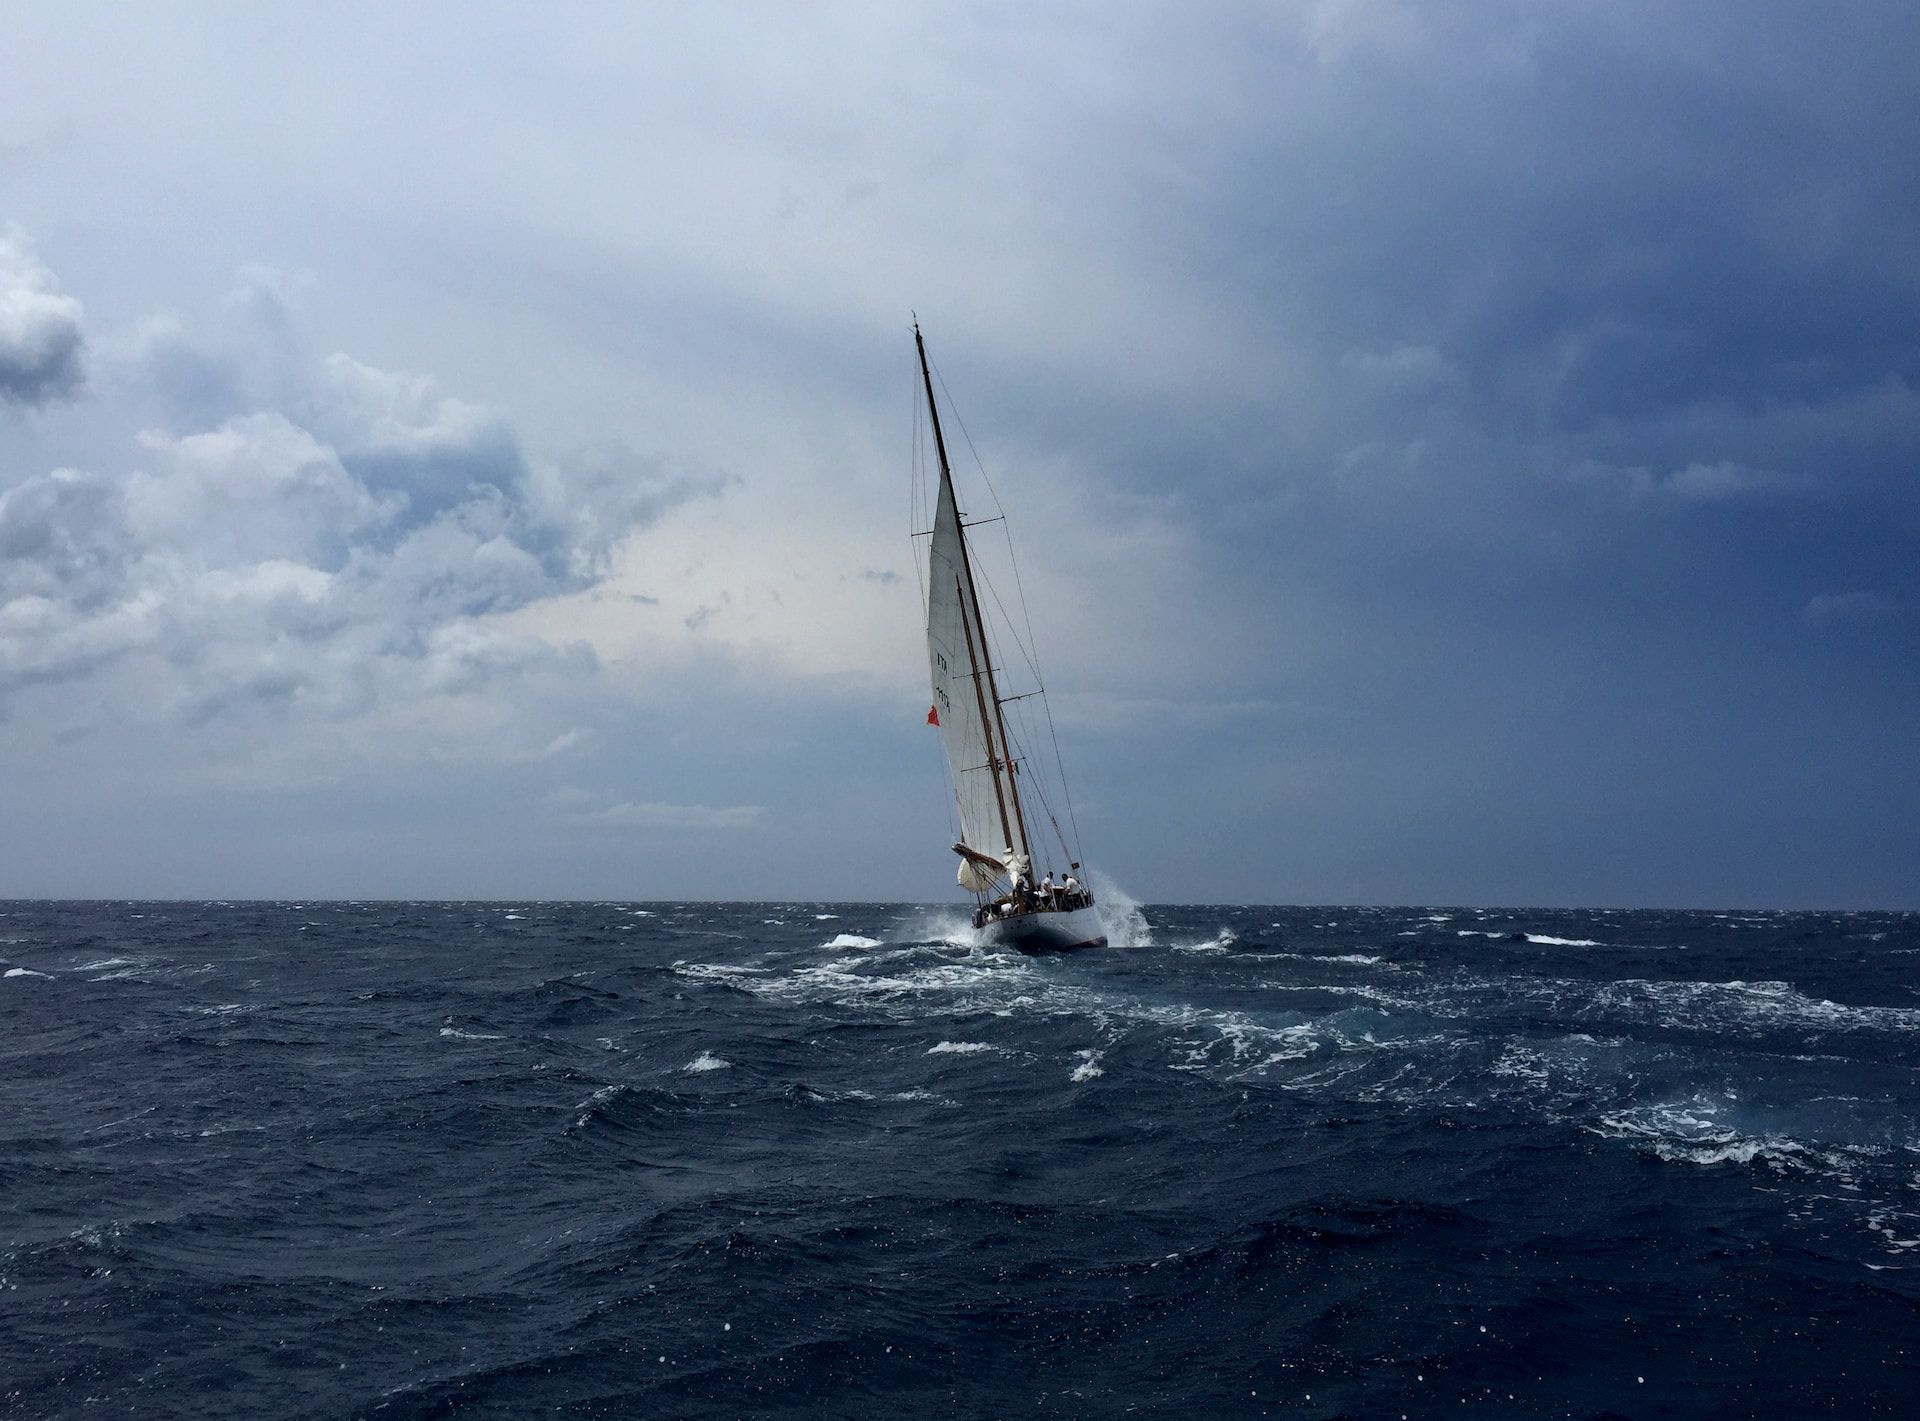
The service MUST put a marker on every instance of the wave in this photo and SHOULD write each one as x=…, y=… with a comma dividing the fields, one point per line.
x=1121, y=914
x=1219, y=942
x=1689, y=1133
x=1539, y=939
x=847, y=940
x=706, y=1061
x=1748, y=1005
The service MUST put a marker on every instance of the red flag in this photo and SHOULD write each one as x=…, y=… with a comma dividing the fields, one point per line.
x=933, y=715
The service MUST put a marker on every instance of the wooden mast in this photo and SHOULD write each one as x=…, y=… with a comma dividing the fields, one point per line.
x=981, y=656
x=993, y=760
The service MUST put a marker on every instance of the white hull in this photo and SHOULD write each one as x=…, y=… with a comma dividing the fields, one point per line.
x=1039, y=931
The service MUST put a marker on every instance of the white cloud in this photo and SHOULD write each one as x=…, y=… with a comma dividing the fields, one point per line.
x=350, y=551
x=1699, y=482
x=259, y=487
x=567, y=740
x=1723, y=479
x=1402, y=367
x=1833, y=609
x=41, y=339
x=580, y=809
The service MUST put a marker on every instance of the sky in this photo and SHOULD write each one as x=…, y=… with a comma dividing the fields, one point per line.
x=1456, y=453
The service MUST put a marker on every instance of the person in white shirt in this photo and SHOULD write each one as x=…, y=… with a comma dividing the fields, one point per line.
x=1072, y=885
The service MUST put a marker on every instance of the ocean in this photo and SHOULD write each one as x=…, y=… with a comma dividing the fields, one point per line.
x=825, y=1160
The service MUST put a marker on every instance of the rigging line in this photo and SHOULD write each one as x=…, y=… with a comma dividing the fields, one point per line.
x=1040, y=790
x=982, y=574
x=1065, y=789
x=1031, y=650
x=1027, y=650
x=1059, y=769
x=916, y=507
x=1025, y=654
x=915, y=491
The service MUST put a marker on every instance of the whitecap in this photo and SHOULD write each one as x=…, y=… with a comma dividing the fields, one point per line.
x=706, y=1061
x=1881, y=1221
x=1689, y=1133
x=459, y=1035
x=1545, y=941
x=845, y=940
x=23, y=972
x=960, y=1048
x=1219, y=942
x=1120, y=913
x=1522, y=1063
x=1088, y=1068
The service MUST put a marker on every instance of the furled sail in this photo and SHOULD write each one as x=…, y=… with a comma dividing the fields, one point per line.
x=982, y=783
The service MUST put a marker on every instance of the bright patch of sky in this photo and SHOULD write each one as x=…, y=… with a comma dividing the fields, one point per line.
x=1457, y=453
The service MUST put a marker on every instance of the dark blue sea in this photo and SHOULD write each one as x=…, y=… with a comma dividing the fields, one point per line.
x=825, y=1160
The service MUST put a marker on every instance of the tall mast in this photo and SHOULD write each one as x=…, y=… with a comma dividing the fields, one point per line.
x=999, y=799
x=983, y=658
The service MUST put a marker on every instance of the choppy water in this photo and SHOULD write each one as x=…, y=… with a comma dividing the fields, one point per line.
x=394, y=1160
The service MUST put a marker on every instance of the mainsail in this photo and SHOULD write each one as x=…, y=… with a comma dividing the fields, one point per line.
x=964, y=694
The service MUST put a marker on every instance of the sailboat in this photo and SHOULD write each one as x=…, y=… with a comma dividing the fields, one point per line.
x=1012, y=909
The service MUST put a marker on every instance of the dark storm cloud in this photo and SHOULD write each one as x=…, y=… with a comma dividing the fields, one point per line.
x=1602, y=219
x=1522, y=276
x=1577, y=387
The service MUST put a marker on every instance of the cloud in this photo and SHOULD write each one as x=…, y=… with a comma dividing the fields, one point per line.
x=1404, y=367
x=1700, y=482
x=580, y=809
x=1835, y=609
x=565, y=741
x=353, y=546
x=42, y=345
x=1281, y=330
x=258, y=488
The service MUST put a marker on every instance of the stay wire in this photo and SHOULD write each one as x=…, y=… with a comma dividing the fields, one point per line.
x=1029, y=650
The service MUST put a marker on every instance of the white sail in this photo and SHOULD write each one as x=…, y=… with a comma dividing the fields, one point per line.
x=982, y=783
